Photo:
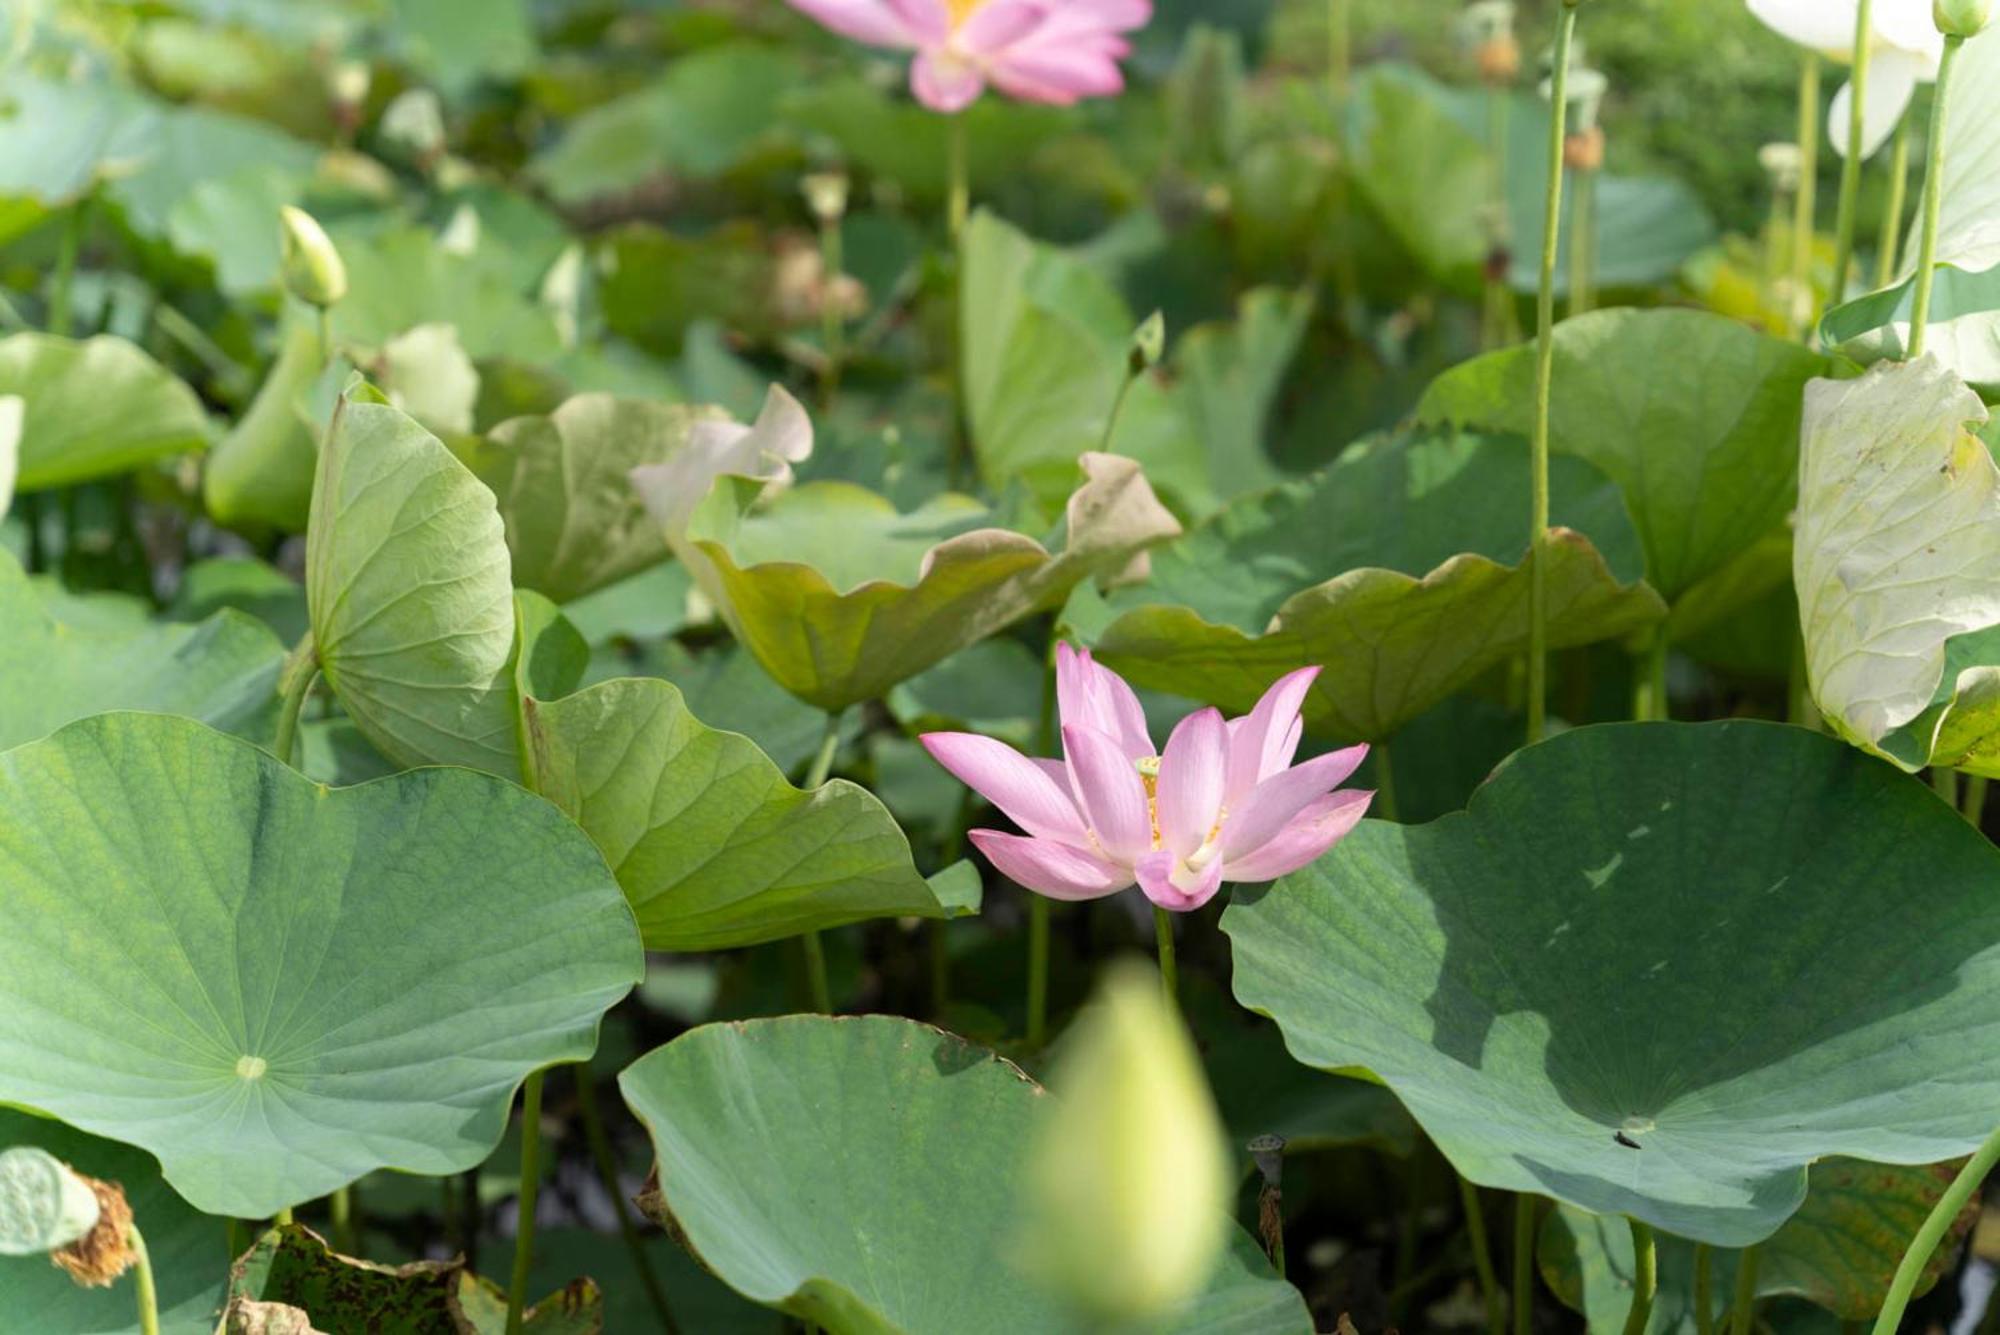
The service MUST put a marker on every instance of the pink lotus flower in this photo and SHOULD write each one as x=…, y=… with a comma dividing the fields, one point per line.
x=1222, y=803
x=1035, y=50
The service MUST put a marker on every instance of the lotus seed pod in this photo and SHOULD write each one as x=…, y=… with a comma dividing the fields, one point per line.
x=43, y=1205
x=312, y=269
x=1963, y=18
x=1128, y=1184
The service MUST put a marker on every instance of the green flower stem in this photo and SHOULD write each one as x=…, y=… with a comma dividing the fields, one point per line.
x=1956, y=1195
x=1482, y=1257
x=1163, y=938
x=1704, y=1289
x=809, y=942
x=958, y=205
x=1525, y=1211
x=68, y=248
x=1803, y=201
x=142, y=1282
x=833, y=327
x=531, y=1191
x=1920, y=305
x=232, y=1237
x=1649, y=695
x=1545, y=364
x=1645, y=1278
x=607, y=1171
x=1384, y=805
x=1944, y=782
x=1892, y=215
x=1743, y=1313
x=1973, y=805
x=1850, y=168
x=346, y=1228
x=301, y=670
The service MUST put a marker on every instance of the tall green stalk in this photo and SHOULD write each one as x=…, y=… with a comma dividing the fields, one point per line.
x=1743, y=1312
x=1645, y=1278
x=527, y=1201
x=1892, y=216
x=1804, y=201
x=958, y=205
x=1920, y=305
x=809, y=943
x=1704, y=1289
x=1545, y=364
x=607, y=1171
x=1955, y=1196
x=1482, y=1257
x=1524, y=1263
x=69, y=247
x=145, y=1292
x=1163, y=939
x=1850, y=167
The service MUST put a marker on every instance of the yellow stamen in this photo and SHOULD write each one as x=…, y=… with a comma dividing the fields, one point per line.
x=961, y=10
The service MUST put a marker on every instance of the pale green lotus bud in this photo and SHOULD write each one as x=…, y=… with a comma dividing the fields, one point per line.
x=312, y=269
x=1963, y=18
x=1149, y=343
x=1128, y=1184
x=826, y=196
x=44, y=1206
x=347, y=83
x=414, y=122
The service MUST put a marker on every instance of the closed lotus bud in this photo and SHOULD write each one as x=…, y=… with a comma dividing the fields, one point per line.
x=1785, y=163
x=1149, y=342
x=44, y=1205
x=312, y=269
x=414, y=123
x=826, y=196
x=1963, y=18
x=1128, y=1186
x=347, y=86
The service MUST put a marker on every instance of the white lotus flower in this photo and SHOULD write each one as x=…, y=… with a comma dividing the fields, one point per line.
x=1905, y=52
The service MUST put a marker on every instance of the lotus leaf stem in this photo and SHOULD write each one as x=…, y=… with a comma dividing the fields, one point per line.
x=142, y=1281
x=529, y=1198
x=1955, y=1196
x=1704, y=1289
x=1482, y=1257
x=1526, y=1207
x=1920, y=304
x=1645, y=1278
x=1892, y=214
x=1850, y=168
x=1743, y=1313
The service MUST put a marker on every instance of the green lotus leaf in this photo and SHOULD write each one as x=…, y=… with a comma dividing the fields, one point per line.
x=262, y=471
x=399, y=279
x=223, y=671
x=182, y=1243
x=574, y=522
x=94, y=408
x=1694, y=415
x=840, y=597
x=424, y=371
x=1423, y=177
x=10, y=448
x=246, y=585
x=1969, y=185
x=1045, y=341
x=1401, y=570
x=1643, y=972
x=1839, y=1251
x=412, y=609
x=274, y=986
x=711, y=844
x=1897, y=573
x=1963, y=330
x=290, y=1275
x=861, y=1174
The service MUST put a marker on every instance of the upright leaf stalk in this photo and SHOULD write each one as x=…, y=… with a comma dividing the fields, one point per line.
x=1850, y=167
x=1920, y=305
x=1801, y=311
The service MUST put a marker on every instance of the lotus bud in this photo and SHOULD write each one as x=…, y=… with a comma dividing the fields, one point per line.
x=347, y=85
x=44, y=1205
x=461, y=234
x=1149, y=341
x=311, y=266
x=1785, y=165
x=1488, y=28
x=826, y=196
x=414, y=122
x=1963, y=18
x=1128, y=1185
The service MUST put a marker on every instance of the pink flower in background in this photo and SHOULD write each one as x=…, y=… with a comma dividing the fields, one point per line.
x=1036, y=50
x=1223, y=802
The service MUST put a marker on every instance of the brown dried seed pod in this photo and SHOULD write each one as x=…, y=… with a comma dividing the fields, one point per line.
x=99, y=1257
x=1584, y=151
x=1499, y=59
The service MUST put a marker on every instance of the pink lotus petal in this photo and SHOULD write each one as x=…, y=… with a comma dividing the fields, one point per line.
x=1273, y=803
x=875, y=22
x=1028, y=794
x=1114, y=796
x=1192, y=772
x=928, y=20
x=999, y=24
x=1115, y=15
x=1051, y=869
x=1322, y=824
x=1166, y=881
x=1096, y=697
x=1266, y=738
x=943, y=82
x=1058, y=78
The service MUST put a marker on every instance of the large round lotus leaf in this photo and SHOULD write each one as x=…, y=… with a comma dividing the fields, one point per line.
x=1400, y=570
x=840, y=597
x=223, y=671
x=277, y=987
x=574, y=522
x=1897, y=571
x=94, y=408
x=1693, y=414
x=405, y=277
x=712, y=845
x=862, y=1174
x=1738, y=946
x=188, y=1257
x=412, y=609
x=1840, y=1251
x=1962, y=331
